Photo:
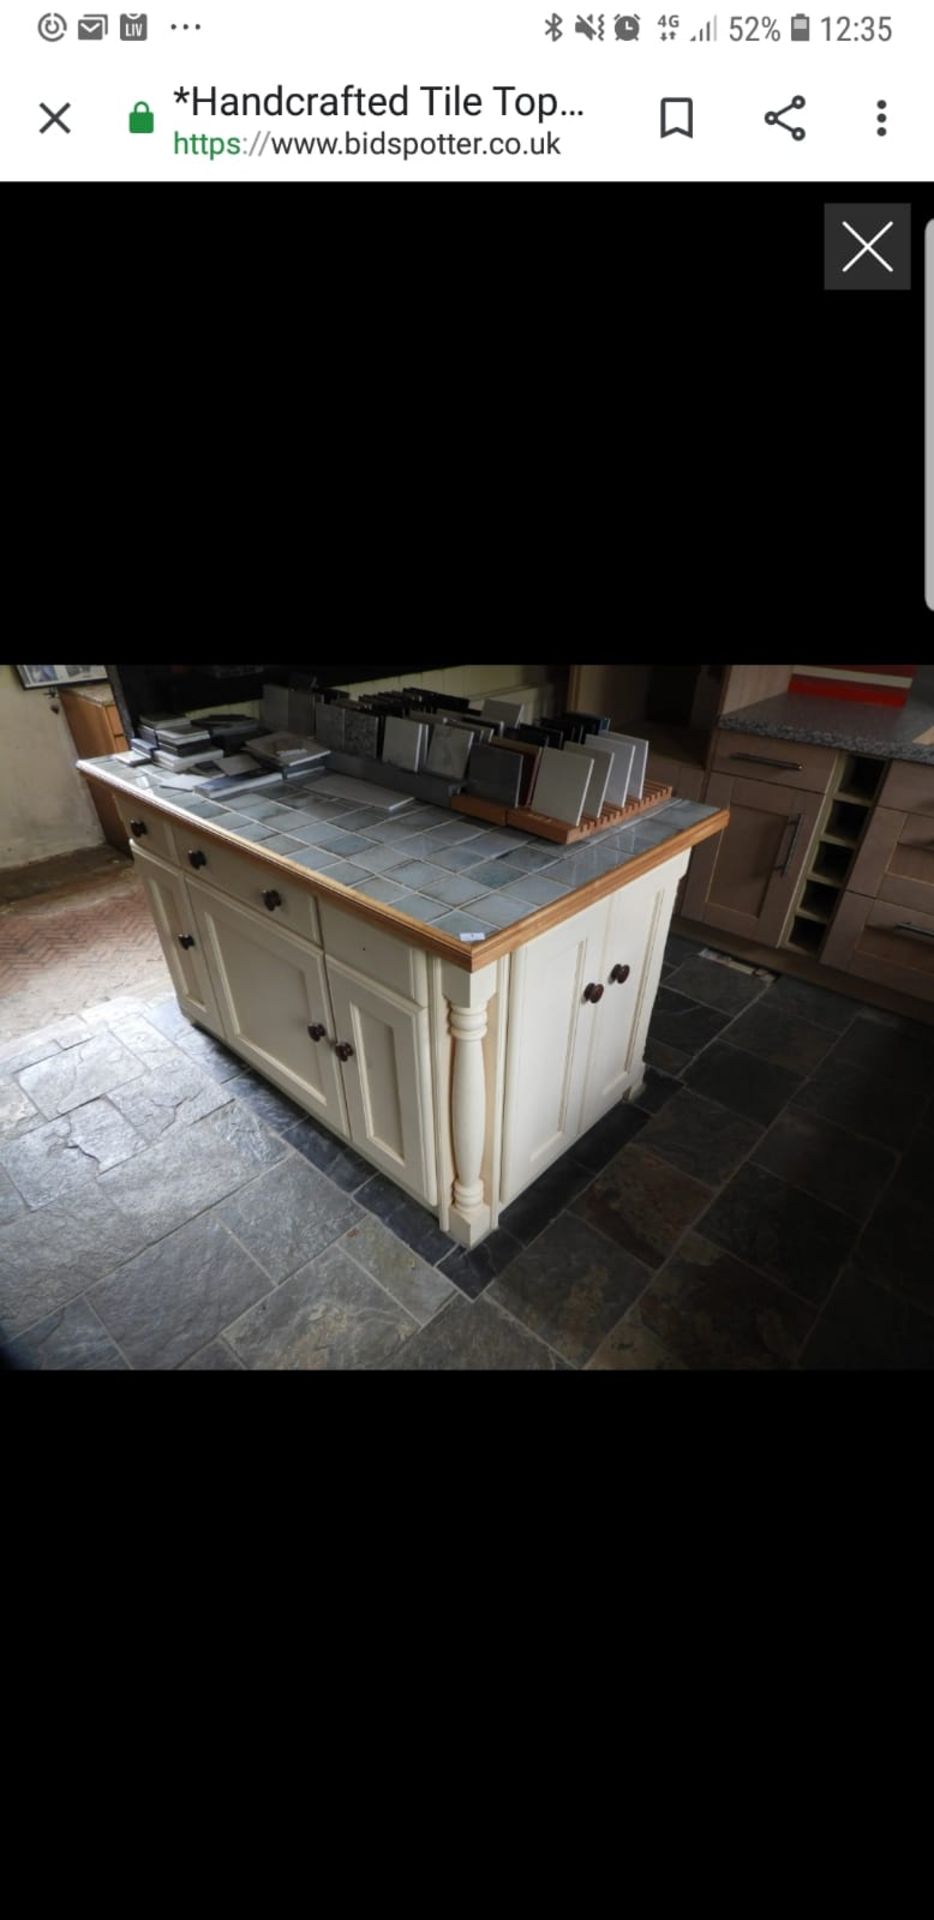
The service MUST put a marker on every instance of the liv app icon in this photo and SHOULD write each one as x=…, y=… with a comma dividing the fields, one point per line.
x=134, y=26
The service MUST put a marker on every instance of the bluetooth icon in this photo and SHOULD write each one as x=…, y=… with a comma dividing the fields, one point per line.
x=553, y=27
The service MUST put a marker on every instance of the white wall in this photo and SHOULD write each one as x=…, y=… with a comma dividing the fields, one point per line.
x=45, y=807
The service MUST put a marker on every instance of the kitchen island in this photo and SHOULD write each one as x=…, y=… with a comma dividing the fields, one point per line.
x=459, y=1002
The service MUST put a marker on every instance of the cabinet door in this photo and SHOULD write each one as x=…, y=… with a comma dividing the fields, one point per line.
x=387, y=1078
x=172, y=911
x=637, y=928
x=550, y=1030
x=744, y=880
x=271, y=990
x=896, y=859
x=882, y=941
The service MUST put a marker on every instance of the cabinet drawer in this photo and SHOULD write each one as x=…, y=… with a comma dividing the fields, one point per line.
x=785, y=763
x=247, y=879
x=383, y=958
x=882, y=941
x=909, y=787
x=151, y=831
x=896, y=859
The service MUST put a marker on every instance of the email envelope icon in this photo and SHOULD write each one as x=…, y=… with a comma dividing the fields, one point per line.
x=92, y=26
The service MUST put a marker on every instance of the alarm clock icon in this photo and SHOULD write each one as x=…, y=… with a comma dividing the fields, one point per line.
x=627, y=26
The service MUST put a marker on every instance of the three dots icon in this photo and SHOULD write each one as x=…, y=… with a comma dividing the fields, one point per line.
x=882, y=117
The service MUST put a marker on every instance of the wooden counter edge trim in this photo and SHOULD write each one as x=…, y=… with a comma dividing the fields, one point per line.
x=419, y=932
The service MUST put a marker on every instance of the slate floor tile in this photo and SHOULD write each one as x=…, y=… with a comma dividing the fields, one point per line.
x=914, y=1181
x=895, y=1250
x=11, y=1200
x=669, y=1060
x=264, y=1100
x=81, y=1073
x=716, y=985
x=472, y=1268
x=864, y=1328
x=209, y=1053
x=657, y=1089
x=643, y=1204
x=175, y=1297
x=47, y=1258
x=18, y=1114
x=863, y=1103
x=419, y=1288
x=554, y=1190
x=330, y=1154
x=570, y=1287
x=785, y=1039
x=168, y=1017
x=602, y=1142
x=890, y=1053
x=287, y=1216
x=631, y=1348
x=215, y=1358
x=154, y=1048
x=816, y=1004
x=73, y=1340
x=61, y=1156
x=699, y=1136
x=757, y=1091
x=171, y=1098
x=682, y=1023
x=473, y=1336
x=789, y=1234
x=710, y=1310
x=189, y=1171
x=330, y=1316
x=678, y=948
x=833, y=1165
x=413, y=1224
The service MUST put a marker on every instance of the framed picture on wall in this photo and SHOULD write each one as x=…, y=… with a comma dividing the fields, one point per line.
x=59, y=676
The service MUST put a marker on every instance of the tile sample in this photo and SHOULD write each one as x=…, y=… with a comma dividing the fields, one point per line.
x=563, y=779
x=639, y=758
x=508, y=711
x=404, y=743
x=602, y=765
x=493, y=775
x=449, y=751
x=618, y=783
x=329, y=725
x=362, y=733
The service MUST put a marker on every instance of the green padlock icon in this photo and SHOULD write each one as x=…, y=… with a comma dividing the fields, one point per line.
x=142, y=119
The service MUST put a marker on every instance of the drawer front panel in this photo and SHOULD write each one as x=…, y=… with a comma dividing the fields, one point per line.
x=896, y=859
x=882, y=941
x=150, y=830
x=785, y=763
x=248, y=880
x=379, y=955
x=909, y=787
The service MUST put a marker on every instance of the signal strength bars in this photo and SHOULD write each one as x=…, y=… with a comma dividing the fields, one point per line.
x=709, y=32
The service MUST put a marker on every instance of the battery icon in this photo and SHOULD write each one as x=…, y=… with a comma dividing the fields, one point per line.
x=800, y=26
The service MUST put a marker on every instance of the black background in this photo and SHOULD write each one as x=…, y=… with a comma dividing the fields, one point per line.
x=624, y=414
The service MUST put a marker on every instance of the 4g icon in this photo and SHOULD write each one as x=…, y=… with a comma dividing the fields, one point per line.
x=668, y=24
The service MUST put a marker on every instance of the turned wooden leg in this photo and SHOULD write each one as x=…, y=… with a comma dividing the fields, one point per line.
x=468, y=996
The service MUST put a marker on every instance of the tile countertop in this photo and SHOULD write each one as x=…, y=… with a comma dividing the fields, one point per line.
x=882, y=733
x=452, y=873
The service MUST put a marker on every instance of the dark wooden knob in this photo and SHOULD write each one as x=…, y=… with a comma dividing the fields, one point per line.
x=197, y=858
x=186, y=939
x=317, y=1032
x=593, y=992
x=272, y=899
x=620, y=974
x=138, y=827
x=344, y=1050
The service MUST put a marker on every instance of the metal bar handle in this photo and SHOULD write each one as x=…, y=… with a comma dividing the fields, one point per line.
x=794, y=820
x=762, y=760
x=905, y=926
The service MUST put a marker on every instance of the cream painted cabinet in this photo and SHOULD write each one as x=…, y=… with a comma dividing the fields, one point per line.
x=637, y=922
x=274, y=1003
x=383, y=1045
x=171, y=908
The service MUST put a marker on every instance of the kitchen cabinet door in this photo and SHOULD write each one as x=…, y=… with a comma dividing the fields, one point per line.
x=882, y=941
x=634, y=948
x=274, y=1004
x=550, y=1030
x=896, y=859
x=172, y=911
x=383, y=1047
x=745, y=879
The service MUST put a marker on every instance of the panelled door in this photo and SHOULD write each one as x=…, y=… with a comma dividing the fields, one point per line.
x=744, y=880
x=383, y=1047
x=551, y=1026
x=172, y=911
x=637, y=927
x=274, y=1004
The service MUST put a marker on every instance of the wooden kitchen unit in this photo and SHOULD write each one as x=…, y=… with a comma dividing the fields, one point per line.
x=96, y=729
x=459, y=1068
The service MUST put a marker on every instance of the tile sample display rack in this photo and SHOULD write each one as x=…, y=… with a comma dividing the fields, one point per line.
x=844, y=817
x=526, y=819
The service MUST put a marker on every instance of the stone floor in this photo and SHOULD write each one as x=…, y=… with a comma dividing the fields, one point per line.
x=768, y=1202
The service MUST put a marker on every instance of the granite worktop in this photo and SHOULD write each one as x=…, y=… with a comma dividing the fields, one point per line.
x=882, y=733
x=451, y=872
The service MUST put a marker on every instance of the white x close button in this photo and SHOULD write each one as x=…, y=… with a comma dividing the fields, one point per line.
x=867, y=249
